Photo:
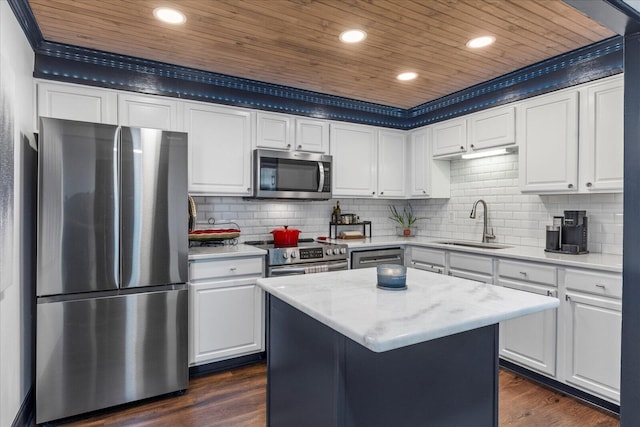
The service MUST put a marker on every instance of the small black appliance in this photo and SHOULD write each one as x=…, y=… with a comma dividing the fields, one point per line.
x=572, y=236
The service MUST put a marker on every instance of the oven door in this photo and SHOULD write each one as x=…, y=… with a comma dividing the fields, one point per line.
x=308, y=268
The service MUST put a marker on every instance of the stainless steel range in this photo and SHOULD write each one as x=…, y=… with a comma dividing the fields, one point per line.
x=306, y=258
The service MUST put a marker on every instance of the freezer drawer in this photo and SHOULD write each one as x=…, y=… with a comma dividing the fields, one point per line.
x=99, y=352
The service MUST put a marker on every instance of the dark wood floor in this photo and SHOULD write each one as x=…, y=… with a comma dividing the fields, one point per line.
x=237, y=399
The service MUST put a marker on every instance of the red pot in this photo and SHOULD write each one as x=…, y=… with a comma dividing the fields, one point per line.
x=285, y=236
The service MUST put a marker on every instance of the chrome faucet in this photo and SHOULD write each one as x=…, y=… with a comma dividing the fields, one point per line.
x=485, y=234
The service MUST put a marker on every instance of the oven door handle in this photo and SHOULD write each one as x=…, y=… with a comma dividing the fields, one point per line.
x=286, y=271
x=343, y=265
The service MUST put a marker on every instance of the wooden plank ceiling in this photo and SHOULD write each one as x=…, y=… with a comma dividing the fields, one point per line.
x=295, y=42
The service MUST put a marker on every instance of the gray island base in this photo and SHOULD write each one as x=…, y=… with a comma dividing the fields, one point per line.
x=317, y=377
x=343, y=353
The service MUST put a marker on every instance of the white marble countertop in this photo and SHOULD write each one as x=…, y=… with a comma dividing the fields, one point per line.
x=605, y=262
x=224, y=251
x=433, y=306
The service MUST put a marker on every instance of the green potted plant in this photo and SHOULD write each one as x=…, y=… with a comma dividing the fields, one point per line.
x=405, y=219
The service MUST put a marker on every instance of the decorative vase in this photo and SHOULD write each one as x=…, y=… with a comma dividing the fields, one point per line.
x=406, y=232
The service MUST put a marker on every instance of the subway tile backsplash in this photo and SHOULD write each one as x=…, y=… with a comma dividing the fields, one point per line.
x=516, y=218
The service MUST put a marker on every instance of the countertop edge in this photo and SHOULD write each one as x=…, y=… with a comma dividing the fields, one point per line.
x=224, y=251
x=595, y=261
x=535, y=304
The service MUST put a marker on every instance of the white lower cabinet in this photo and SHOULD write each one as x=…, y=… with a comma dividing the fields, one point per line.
x=530, y=341
x=226, y=309
x=593, y=326
x=578, y=344
x=426, y=259
x=472, y=267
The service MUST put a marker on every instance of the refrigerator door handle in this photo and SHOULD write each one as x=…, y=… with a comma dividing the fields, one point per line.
x=116, y=205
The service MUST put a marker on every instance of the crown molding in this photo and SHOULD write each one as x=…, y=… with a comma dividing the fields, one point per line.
x=61, y=62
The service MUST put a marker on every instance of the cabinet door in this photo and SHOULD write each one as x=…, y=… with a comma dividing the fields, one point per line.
x=602, y=137
x=312, y=135
x=72, y=102
x=148, y=112
x=354, y=160
x=426, y=259
x=274, y=131
x=492, y=128
x=548, y=141
x=427, y=177
x=219, y=149
x=391, y=170
x=450, y=137
x=225, y=320
x=530, y=340
x=593, y=340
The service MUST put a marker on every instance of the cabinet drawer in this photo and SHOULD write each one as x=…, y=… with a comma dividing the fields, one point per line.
x=477, y=264
x=427, y=257
x=609, y=285
x=235, y=267
x=528, y=272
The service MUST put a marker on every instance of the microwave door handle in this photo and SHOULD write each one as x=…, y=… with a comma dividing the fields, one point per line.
x=321, y=176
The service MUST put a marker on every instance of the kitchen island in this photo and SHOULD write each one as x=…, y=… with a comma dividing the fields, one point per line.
x=342, y=352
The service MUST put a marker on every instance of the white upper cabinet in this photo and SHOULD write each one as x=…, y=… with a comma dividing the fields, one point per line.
x=573, y=141
x=392, y=161
x=354, y=151
x=602, y=136
x=547, y=129
x=492, y=128
x=450, y=137
x=427, y=177
x=312, y=135
x=148, y=112
x=75, y=102
x=274, y=131
x=219, y=149
x=284, y=132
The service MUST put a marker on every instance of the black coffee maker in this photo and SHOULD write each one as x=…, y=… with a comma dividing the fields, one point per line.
x=568, y=234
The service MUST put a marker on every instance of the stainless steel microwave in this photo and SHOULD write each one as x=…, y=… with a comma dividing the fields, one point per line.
x=291, y=175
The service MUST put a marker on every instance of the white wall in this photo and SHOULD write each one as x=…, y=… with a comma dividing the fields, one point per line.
x=16, y=352
x=516, y=218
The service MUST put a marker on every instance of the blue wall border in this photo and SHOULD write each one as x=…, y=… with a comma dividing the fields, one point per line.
x=61, y=62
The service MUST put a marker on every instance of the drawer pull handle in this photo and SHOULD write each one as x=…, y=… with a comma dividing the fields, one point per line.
x=232, y=268
x=567, y=298
x=549, y=293
x=600, y=286
x=524, y=273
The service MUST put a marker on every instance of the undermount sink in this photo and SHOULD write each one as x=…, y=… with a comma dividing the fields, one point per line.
x=473, y=244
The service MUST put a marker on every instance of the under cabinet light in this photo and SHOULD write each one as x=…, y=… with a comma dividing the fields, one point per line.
x=486, y=153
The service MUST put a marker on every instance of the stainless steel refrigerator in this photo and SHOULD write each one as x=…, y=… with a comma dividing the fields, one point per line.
x=112, y=248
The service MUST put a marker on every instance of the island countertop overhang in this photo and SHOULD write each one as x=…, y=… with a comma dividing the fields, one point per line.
x=432, y=306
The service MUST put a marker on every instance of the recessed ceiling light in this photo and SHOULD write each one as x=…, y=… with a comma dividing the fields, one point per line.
x=480, y=42
x=353, y=36
x=407, y=76
x=170, y=16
